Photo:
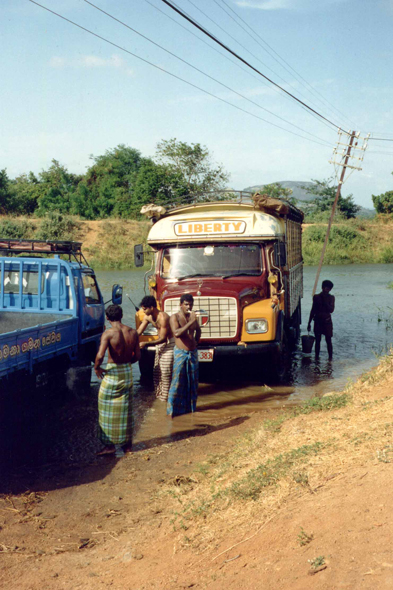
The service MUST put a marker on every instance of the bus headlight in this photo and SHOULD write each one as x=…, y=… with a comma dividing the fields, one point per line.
x=257, y=326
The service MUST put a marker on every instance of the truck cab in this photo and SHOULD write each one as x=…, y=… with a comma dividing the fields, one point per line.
x=242, y=263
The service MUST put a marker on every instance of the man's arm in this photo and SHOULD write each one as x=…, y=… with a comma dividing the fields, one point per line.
x=331, y=303
x=174, y=323
x=142, y=326
x=163, y=331
x=312, y=314
x=137, y=351
x=198, y=333
x=101, y=354
x=178, y=330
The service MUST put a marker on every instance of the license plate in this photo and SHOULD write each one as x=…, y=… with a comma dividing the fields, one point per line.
x=206, y=356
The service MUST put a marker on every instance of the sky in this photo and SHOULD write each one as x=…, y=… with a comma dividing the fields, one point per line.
x=67, y=94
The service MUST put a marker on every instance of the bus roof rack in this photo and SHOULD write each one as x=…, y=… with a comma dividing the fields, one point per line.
x=12, y=246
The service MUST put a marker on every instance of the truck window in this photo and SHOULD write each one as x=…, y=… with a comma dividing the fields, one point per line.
x=30, y=282
x=90, y=289
x=212, y=260
x=11, y=281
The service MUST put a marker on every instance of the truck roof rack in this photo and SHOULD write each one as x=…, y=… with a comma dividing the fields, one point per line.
x=70, y=249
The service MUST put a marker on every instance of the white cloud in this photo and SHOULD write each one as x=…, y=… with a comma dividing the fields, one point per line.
x=91, y=61
x=265, y=4
x=282, y=4
x=57, y=62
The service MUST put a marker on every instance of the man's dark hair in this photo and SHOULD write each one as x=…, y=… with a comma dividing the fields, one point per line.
x=148, y=301
x=328, y=284
x=186, y=297
x=114, y=313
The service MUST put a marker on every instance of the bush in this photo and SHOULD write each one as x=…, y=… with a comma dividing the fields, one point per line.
x=16, y=229
x=346, y=245
x=386, y=256
x=56, y=226
x=383, y=203
x=315, y=233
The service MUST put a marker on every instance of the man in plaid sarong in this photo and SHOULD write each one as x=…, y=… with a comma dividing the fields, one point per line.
x=164, y=344
x=115, y=395
x=183, y=392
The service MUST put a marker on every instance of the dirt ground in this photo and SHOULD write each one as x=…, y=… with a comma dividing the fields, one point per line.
x=119, y=523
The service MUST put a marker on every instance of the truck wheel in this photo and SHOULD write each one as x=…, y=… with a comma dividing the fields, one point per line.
x=146, y=365
x=280, y=360
x=294, y=327
x=78, y=380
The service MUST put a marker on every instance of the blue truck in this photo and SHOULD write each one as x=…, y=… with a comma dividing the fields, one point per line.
x=51, y=309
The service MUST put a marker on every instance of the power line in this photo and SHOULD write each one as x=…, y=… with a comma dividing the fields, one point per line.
x=241, y=45
x=202, y=72
x=236, y=40
x=206, y=32
x=270, y=51
x=250, y=52
x=171, y=74
x=235, y=63
x=383, y=153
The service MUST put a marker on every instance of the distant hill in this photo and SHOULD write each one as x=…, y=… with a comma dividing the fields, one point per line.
x=300, y=193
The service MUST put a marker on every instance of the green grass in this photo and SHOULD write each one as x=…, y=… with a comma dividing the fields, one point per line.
x=316, y=404
x=304, y=538
x=267, y=474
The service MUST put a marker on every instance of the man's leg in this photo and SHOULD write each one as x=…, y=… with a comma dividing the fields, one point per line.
x=317, y=345
x=329, y=346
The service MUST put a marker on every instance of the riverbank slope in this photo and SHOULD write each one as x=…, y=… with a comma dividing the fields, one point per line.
x=281, y=499
x=109, y=244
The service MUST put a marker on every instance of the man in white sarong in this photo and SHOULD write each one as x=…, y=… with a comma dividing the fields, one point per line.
x=164, y=345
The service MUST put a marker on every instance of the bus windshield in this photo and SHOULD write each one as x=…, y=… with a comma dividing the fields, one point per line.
x=214, y=260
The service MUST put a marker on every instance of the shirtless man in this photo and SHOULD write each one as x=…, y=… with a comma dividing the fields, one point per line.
x=183, y=392
x=321, y=313
x=115, y=395
x=164, y=344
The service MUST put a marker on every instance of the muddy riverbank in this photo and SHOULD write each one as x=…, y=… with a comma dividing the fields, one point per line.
x=278, y=499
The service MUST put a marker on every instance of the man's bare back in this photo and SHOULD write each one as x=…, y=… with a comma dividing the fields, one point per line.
x=122, y=344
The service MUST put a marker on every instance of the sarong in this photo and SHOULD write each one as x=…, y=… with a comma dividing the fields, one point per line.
x=115, y=405
x=162, y=372
x=323, y=326
x=183, y=392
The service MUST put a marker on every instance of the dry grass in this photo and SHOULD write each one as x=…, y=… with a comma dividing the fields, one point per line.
x=240, y=490
x=109, y=244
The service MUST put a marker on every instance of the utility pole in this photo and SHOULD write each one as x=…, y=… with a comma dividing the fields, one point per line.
x=345, y=155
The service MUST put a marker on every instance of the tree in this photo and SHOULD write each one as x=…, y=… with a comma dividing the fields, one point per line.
x=26, y=191
x=193, y=163
x=57, y=187
x=4, y=191
x=325, y=194
x=383, y=203
x=277, y=191
x=107, y=188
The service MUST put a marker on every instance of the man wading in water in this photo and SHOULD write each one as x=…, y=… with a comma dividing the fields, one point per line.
x=322, y=308
x=183, y=392
x=115, y=395
x=163, y=360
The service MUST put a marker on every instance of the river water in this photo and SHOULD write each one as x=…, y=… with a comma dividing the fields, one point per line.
x=363, y=330
x=47, y=430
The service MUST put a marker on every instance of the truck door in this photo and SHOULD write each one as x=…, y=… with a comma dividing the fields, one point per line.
x=93, y=308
